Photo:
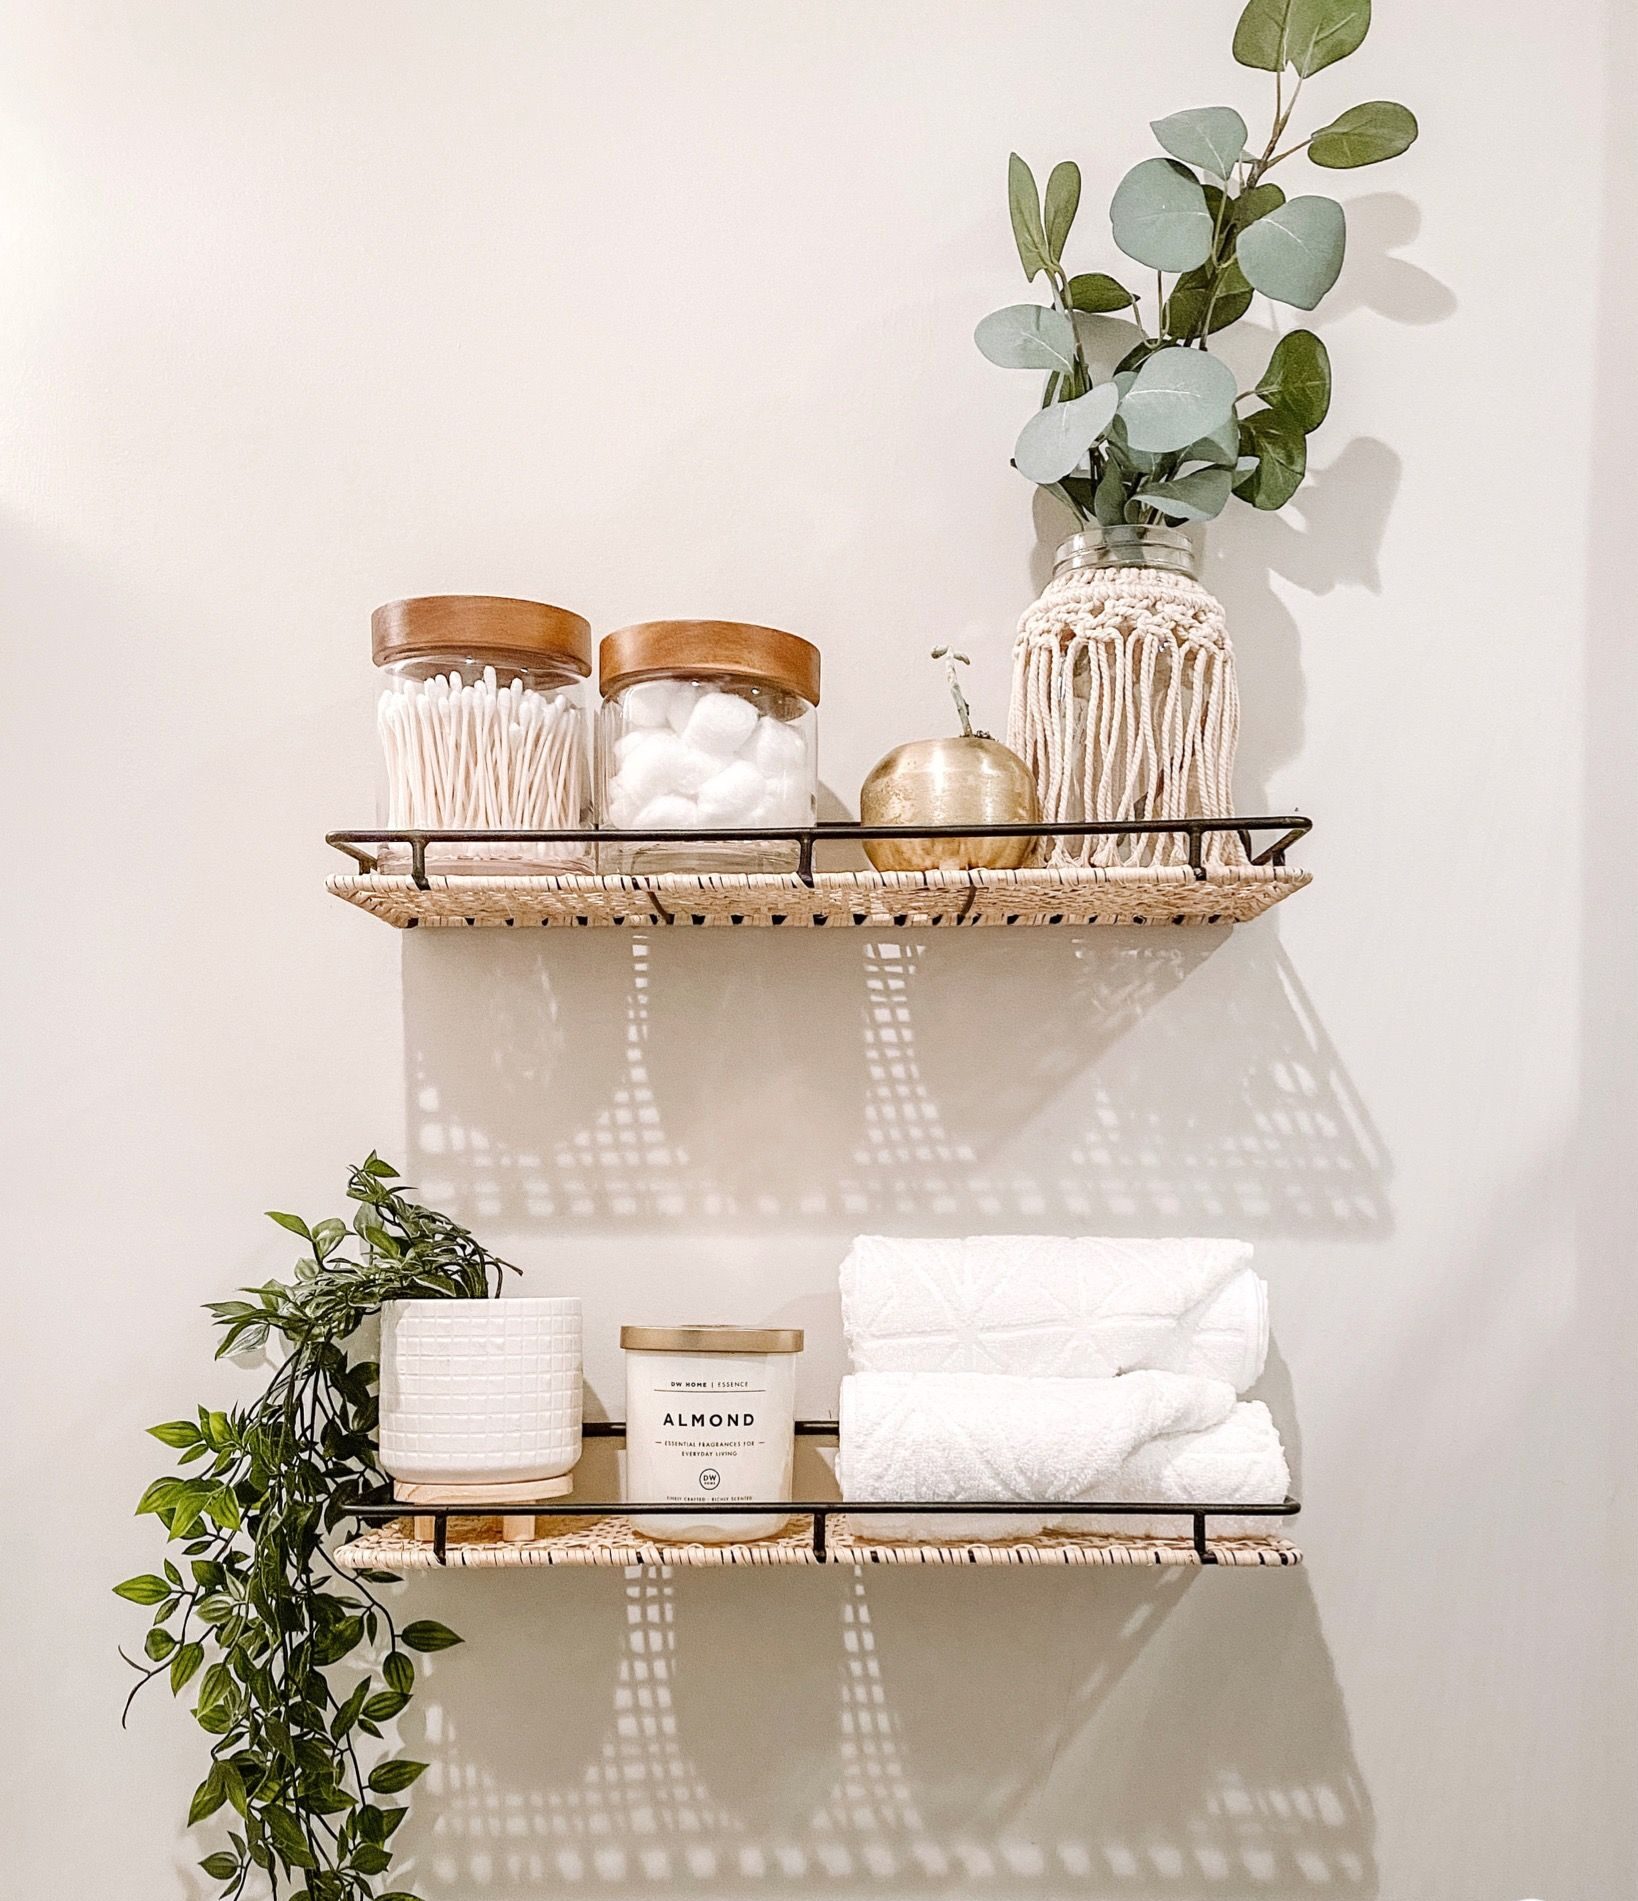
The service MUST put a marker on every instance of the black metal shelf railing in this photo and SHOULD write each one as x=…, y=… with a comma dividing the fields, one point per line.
x=1287, y=829
x=819, y=1511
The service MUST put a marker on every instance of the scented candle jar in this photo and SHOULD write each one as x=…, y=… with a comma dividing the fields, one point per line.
x=705, y=726
x=710, y=1418
x=483, y=727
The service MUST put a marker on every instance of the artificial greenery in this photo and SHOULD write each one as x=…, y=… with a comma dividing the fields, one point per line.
x=263, y=1622
x=1166, y=434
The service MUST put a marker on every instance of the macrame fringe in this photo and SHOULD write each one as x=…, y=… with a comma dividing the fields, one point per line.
x=1125, y=706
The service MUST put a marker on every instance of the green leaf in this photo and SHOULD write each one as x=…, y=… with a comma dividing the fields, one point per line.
x=1027, y=337
x=1282, y=460
x=186, y=1661
x=293, y=1223
x=385, y=1705
x=215, y=1687
x=389, y=1777
x=1221, y=448
x=1160, y=216
x=427, y=1634
x=288, y=1839
x=1178, y=396
x=1295, y=253
x=1364, y=135
x=1024, y=202
x=1097, y=293
x=1297, y=382
x=1256, y=203
x=1063, y=197
x=146, y=1589
x=399, y=1672
x=208, y=1797
x=1109, y=497
x=1191, y=297
x=180, y=1433
x=1212, y=137
x=221, y=1866
x=370, y=1859
x=160, y=1496
x=1306, y=34
x=1320, y=32
x=158, y=1644
x=1201, y=496
x=1052, y=444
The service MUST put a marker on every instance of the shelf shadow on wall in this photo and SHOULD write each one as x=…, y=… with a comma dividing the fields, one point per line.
x=1138, y=1733
x=665, y=1080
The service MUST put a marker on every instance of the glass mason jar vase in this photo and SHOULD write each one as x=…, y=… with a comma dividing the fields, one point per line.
x=1124, y=701
x=483, y=727
x=705, y=726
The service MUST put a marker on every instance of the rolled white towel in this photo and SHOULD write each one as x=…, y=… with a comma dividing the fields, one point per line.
x=949, y=1437
x=1055, y=1305
x=1239, y=1461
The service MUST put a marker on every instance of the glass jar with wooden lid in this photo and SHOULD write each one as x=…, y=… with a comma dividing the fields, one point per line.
x=706, y=725
x=483, y=727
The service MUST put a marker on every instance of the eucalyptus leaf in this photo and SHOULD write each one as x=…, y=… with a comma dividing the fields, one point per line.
x=1297, y=382
x=1055, y=441
x=1364, y=135
x=1110, y=496
x=1178, y=396
x=1282, y=459
x=1212, y=137
x=1308, y=35
x=1063, y=197
x=1027, y=337
x=1160, y=217
x=1201, y=496
x=1097, y=293
x=1191, y=297
x=1220, y=448
x=1024, y=202
x=1255, y=203
x=1295, y=253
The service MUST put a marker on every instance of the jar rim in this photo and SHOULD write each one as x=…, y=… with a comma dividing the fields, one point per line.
x=721, y=649
x=492, y=628
x=711, y=1339
x=1130, y=544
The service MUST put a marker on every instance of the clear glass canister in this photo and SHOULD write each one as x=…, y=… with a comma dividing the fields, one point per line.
x=482, y=720
x=710, y=1419
x=706, y=726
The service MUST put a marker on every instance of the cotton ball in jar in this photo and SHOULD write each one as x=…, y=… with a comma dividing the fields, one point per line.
x=785, y=802
x=720, y=723
x=668, y=813
x=649, y=765
x=680, y=705
x=647, y=704
x=733, y=796
x=776, y=748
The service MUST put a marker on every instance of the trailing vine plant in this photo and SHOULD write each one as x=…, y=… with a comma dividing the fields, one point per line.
x=294, y=1666
x=1166, y=433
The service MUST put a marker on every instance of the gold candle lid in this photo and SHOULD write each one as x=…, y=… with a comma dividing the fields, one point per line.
x=724, y=1339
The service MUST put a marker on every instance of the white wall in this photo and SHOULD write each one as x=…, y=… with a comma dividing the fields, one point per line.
x=659, y=308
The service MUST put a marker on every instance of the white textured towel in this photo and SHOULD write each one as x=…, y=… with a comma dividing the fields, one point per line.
x=1240, y=1461
x=948, y=1437
x=1055, y=1305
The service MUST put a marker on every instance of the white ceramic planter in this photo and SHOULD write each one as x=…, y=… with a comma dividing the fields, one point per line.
x=478, y=1392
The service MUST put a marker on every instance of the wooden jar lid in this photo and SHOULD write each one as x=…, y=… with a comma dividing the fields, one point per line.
x=488, y=626
x=731, y=649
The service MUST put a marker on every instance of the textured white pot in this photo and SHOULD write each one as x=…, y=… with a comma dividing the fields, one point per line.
x=480, y=1391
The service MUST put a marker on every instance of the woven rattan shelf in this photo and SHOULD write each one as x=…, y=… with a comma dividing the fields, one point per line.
x=1203, y=888
x=611, y=1543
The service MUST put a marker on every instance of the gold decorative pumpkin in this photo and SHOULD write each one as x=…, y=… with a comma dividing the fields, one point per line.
x=968, y=780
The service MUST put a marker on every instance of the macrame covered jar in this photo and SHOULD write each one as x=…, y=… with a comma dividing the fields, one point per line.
x=1124, y=702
